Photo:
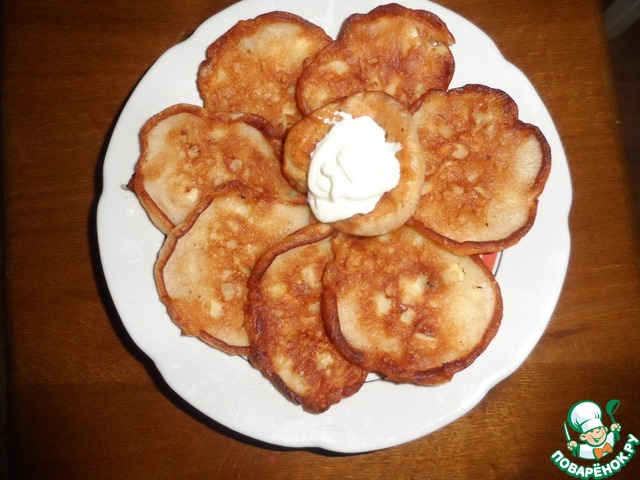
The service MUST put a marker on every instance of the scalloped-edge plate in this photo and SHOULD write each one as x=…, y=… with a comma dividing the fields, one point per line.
x=227, y=389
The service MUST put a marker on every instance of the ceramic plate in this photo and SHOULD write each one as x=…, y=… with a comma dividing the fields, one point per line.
x=228, y=389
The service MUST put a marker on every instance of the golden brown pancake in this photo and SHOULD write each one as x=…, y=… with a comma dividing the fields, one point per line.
x=204, y=264
x=188, y=152
x=402, y=306
x=255, y=66
x=485, y=169
x=395, y=206
x=288, y=341
x=393, y=49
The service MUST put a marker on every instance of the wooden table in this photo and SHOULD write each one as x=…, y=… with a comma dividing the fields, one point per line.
x=85, y=402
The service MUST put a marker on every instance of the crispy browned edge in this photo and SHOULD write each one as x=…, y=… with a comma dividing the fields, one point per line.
x=396, y=9
x=136, y=183
x=243, y=25
x=434, y=376
x=255, y=316
x=168, y=248
x=472, y=247
x=382, y=10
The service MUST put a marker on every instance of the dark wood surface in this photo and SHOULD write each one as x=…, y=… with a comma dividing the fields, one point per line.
x=84, y=402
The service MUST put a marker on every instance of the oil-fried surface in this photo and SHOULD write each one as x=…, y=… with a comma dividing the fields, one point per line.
x=204, y=264
x=255, y=66
x=485, y=169
x=400, y=305
x=394, y=49
x=187, y=153
x=288, y=341
x=395, y=206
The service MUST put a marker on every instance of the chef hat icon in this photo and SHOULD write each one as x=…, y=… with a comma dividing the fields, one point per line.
x=585, y=416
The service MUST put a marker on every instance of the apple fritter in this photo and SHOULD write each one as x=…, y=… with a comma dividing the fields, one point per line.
x=485, y=169
x=394, y=49
x=255, y=66
x=203, y=266
x=188, y=152
x=396, y=205
x=288, y=341
x=400, y=305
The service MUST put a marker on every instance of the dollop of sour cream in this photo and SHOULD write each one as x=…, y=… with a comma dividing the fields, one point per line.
x=351, y=168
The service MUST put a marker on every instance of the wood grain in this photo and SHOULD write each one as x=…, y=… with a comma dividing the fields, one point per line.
x=84, y=402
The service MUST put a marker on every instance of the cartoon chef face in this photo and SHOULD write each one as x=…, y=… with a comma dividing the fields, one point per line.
x=595, y=437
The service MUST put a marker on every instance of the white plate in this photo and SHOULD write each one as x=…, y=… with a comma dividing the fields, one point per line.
x=228, y=389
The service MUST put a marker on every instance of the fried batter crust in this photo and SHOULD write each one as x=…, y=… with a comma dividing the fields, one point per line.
x=288, y=341
x=394, y=49
x=255, y=66
x=188, y=152
x=395, y=206
x=202, y=268
x=485, y=169
x=402, y=306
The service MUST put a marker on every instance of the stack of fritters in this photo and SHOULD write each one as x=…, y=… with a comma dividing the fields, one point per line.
x=400, y=290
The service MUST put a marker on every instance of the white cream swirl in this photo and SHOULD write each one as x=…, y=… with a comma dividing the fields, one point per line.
x=351, y=168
